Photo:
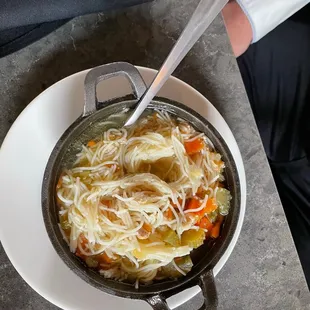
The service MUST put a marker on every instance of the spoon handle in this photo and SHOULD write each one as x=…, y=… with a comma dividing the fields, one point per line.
x=203, y=16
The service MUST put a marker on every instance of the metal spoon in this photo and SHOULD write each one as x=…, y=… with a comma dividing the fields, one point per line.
x=203, y=16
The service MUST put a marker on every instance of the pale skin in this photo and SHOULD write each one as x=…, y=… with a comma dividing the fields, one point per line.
x=238, y=27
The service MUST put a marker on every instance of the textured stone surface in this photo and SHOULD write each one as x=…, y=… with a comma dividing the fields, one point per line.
x=263, y=271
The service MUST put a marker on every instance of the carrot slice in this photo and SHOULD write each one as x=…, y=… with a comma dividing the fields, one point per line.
x=200, y=192
x=106, y=202
x=91, y=143
x=59, y=183
x=192, y=204
x=194, y=146
x=148, y=227
x=169, y=214
x=205, y=223
x=104, y=258
x=215, y=232
x=211, y=205
x=79, y=254
x=83, y=240
x=218, y=162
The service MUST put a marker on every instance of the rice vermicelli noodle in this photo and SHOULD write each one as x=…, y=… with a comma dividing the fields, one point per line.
x=138, y=200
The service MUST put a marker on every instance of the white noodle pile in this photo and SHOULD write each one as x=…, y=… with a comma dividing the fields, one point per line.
x=130, y=178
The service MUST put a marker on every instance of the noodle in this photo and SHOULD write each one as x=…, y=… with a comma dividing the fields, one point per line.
x=140, y=199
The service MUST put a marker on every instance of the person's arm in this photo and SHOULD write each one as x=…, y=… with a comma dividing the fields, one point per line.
x=247, y=21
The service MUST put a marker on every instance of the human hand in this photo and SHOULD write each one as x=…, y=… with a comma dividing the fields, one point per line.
x=238, y=27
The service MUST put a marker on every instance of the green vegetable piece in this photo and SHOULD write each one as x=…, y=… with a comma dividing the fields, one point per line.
x=223, y=198
x=91, y=262
x=64, y=222
x=193, y=238
x=170, y=236
x=185, y=263
x=213, y=216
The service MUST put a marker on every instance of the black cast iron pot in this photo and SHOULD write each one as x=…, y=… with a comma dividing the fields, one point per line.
x=86, y=128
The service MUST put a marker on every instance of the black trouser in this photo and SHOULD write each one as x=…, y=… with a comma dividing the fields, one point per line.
x=276, y=74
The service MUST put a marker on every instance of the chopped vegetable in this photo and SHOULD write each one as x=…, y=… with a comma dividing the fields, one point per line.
x=91, y=143
x=169, y=214
x=211, y=206
x=143, y=234
x=170, y=237
x=192, y=204
x=223, y=198
x=201, y=192
x=64, y=223
x=213, y=216
x=79, y=254
x=184, y=263
x=169, y=271
x=147, y=227
x=193, y=238
x=218, y=162
x=91, y=262
x=205, y=223
x=106, y=202
x=194, y=146
x=104, y=258
x=215, y=232
x=145, y=231
x=59, y=183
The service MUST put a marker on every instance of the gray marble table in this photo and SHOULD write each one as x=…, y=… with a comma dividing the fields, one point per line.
x=263, y=271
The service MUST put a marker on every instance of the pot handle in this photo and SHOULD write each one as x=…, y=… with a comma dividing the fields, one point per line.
x=104, y=72
x=208, y=288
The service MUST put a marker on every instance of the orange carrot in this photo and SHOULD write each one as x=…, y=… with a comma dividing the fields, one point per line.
x=218, y=162
x=148, y=227
x=194, y=146
x=205, y=223
x=200, y=192
x=106, y=202
x=192, y=204
x=79, y=254
x=169, y=214
x=211, y=205
x=215, y=232
x=106, y=258
x=59, y=183
x=91, y=143
x=83, y=240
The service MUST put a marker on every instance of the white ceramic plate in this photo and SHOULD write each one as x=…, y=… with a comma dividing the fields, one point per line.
x=23, y=157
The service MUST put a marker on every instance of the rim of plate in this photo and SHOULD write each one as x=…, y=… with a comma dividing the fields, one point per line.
x=211, y=114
